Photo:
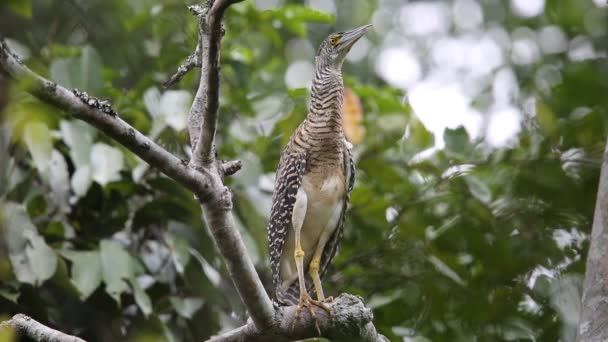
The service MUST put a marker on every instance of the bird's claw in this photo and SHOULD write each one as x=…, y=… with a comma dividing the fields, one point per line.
x=308, y=302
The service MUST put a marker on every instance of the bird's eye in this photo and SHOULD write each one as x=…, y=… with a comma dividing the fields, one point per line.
x=334, y=40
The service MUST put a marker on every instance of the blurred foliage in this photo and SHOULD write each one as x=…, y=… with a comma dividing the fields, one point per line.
x=463, y=243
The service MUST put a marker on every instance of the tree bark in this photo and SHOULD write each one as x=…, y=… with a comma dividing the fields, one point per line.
x=37, y=331
x=593, y=322
x=217, y=207
x=350, y=320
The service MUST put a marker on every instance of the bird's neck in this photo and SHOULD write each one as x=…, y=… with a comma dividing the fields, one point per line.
x=327, y=94
x=322, y=130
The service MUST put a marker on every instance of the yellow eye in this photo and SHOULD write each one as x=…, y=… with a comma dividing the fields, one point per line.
x=334, y=40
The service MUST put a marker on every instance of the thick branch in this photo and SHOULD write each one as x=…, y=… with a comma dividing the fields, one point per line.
x=217, y=208
x=218, y=217
x=29, y=327
x=105, y=120
x=594, y=312
x=350, y=320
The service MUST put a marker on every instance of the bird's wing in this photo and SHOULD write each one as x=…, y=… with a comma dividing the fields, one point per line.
x=288, y=180
x=332, y=244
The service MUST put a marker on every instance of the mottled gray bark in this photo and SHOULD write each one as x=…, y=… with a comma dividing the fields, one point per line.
x=350, y=320
x=593, y=323
x=29, y=327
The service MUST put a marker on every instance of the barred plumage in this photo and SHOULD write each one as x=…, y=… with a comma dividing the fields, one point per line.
x=313, y=182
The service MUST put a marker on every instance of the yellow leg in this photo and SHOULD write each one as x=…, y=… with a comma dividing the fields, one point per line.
x=305, y=300
x=314, y=274
x=299, y=256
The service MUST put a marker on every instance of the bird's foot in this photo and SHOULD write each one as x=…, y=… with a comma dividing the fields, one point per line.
x=307, y=302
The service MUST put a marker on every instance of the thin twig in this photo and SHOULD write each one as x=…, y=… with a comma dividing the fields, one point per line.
x=192, y=61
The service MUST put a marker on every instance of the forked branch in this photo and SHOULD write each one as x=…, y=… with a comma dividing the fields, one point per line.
x=217, y=208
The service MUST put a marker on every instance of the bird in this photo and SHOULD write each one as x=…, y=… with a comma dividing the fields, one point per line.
x=313, y=182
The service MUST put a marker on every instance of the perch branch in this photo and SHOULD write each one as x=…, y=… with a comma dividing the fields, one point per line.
x=37, y=331
x=350, y=321
x=594, y=309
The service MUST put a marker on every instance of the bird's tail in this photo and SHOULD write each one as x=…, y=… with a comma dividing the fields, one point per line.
x=292, y=295
x=289, y=297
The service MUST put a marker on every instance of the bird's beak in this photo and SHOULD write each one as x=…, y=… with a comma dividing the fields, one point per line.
x=349, y=38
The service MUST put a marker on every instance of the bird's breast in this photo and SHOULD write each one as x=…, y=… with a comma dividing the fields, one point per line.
x=325, y=194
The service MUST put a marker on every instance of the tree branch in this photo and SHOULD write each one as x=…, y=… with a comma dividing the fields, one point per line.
x=206, y=102
x=217, y=207
x=37, y=331
x=350, y=320
x=192, y=61
x=92, y=111
x=594, y=311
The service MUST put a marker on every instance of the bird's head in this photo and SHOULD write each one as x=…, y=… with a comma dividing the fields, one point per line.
x=336, y=46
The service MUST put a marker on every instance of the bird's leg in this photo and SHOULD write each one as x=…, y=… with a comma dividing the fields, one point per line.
x=316, y=258
x=305, y=300
x=297, y=220
x=313, y=269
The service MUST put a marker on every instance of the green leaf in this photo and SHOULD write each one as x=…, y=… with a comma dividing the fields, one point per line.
x=304, y=13
x=297, y=92
x=21, y=7
x=115, y=268
x=546, y=119
x=10, y=294
x=418, y=134
x=211, y=273
x=86, y=271
x=33, y=260
x=141, y=297
x=517, y=330
x=457, y=142
x=180, y=251
x=478, y=189
x=91, y=69
x=294, y=17
x=444, y=269
x=84, y=72
x=38, y=141
x=106, y=163
x=566, y=297
x=79, y=137
x=186, y=307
